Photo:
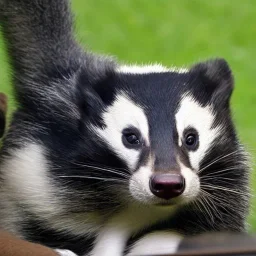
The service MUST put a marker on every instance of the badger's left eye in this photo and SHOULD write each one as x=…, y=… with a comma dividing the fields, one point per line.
x=191, y=140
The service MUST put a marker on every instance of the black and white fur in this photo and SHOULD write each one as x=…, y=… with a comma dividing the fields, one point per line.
x=67, y=178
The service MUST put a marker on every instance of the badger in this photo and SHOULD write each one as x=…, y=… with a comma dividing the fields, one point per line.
x=103, y=158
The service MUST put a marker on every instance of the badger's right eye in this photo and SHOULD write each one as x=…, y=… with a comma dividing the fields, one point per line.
x=131, y=138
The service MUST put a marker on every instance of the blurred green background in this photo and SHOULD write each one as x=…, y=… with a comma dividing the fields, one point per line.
x=175, y=33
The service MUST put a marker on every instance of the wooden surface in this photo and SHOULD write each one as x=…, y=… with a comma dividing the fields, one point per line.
x=12, y=246
x=218, y=244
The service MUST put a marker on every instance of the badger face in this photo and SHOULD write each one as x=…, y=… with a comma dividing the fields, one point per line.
x=170, y=135
x=156, y=147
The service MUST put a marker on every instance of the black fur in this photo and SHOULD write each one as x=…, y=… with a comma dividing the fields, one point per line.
x=2, y=123
x=61, y=89
x=3, y=109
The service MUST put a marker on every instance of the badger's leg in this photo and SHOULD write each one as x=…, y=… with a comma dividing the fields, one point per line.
x=65, y=253
x=156, y=243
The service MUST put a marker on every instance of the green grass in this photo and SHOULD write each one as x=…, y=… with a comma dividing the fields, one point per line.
x=175, y=33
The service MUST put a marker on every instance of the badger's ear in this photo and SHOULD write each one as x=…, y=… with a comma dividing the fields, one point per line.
x=94, y=92
x=217, y=79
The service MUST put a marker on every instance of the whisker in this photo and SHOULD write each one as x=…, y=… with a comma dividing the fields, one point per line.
x=202, y=202
x=102, y=167
x=213, y=197
x=90, y=177
x=215, y=203
x=223, y=189
x=218, y=178
x=213, y=206
x=220, y=171
x=222, y=202
x=198, y=205
x=218, y=159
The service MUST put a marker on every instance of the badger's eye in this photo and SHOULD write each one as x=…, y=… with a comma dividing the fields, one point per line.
x=191, y=140
x=131, y=138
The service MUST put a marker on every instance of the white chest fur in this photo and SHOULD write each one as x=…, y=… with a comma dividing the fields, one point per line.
x=112, y=238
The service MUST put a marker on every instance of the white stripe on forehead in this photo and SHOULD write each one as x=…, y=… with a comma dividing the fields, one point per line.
x=155, y=68
x=123, y=113
x=191, y=114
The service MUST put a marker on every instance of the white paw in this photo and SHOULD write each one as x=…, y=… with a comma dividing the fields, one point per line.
x=157, y=243
x=65, y=253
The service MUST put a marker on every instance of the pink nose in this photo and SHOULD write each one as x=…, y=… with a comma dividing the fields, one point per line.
x=167, y=186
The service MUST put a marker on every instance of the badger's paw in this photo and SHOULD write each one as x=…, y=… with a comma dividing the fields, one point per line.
x=65, y=252
x=156, y=243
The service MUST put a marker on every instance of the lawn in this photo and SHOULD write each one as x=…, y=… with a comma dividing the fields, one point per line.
x=175, y=33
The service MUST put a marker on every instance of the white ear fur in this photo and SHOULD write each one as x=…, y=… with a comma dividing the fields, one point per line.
x=147, y=69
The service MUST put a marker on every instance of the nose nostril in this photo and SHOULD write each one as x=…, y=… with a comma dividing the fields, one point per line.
x=178, y=186
x=167, y=186
x=158, y=186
